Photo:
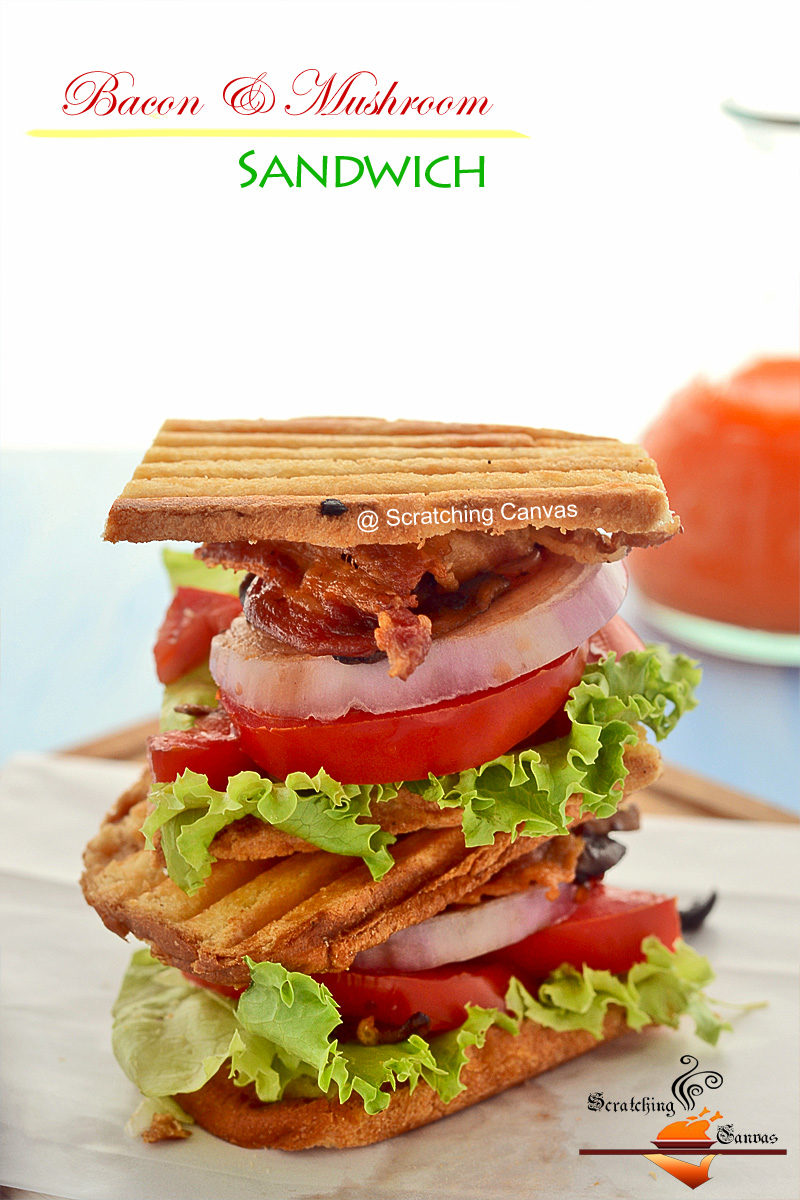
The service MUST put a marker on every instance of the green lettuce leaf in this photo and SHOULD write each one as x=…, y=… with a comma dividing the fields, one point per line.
x=190, y=814
x=295, y=1012
x=521, y=793
x=195, y=687
x=278, y=1038
x=657, y=991
x=171, y=1036
x=527, y=792
x=185, y=570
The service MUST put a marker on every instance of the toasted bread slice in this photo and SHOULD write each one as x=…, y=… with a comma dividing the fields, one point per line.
x=313, y=479
x=311, y=911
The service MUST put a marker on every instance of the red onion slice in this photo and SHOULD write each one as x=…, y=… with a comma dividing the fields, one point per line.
x=552, y=612
x=468, y=932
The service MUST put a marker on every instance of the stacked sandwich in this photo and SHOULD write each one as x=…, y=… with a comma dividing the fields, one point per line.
x=401, y=719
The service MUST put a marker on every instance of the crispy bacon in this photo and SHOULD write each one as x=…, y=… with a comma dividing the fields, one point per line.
x=359, y=573
x=324, y=600
x=550, y=863
x=405, y=638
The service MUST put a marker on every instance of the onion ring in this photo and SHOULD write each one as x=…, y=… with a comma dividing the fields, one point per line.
x=469, y=932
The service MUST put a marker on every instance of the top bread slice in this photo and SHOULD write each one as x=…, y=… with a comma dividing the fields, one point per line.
x=343, y=481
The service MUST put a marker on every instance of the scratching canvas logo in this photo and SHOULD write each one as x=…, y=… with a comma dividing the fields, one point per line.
x=691, y=1133
x=686, y=1146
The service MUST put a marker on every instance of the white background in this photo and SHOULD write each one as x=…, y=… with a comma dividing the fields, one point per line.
x=635, y=238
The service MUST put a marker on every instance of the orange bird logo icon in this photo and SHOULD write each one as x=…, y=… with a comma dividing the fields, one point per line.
x=689, y=1135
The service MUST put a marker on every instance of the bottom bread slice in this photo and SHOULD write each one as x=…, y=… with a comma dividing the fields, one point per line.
x=237, y=1115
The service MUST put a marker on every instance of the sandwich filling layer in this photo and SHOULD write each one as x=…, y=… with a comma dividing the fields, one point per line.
x=522, y=793
x=365, y=601
x=171, y=1036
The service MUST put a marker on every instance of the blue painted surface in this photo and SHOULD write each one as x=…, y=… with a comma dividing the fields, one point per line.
x=79, y=619
x=79, y=615
x=745, y=731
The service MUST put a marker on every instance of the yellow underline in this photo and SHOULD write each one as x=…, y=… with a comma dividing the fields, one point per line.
x=245, y=134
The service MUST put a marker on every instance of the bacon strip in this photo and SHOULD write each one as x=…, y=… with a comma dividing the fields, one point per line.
x=347, y=602
x=405, y=638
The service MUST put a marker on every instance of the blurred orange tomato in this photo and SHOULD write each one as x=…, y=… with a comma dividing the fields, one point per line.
x=729, y=455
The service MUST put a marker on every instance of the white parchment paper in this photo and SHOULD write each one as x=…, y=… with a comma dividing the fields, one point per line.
x=65, y=1101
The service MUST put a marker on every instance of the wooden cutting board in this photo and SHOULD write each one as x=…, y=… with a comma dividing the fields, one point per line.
x=678, y=792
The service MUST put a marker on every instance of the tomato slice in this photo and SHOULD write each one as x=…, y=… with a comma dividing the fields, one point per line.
x=362, y=748
x=605, y=932
x=616, y=635
x=440, y=738
x=211, y=748
x=193, y=618
x=392, y=998
x=441, y=993
x=222, y=989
